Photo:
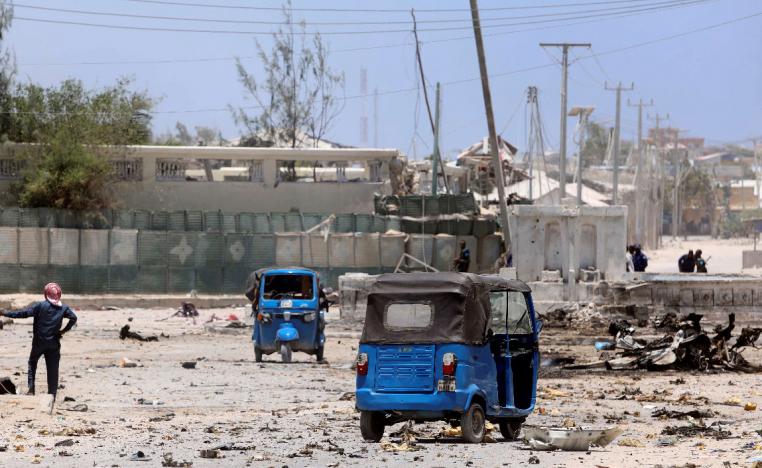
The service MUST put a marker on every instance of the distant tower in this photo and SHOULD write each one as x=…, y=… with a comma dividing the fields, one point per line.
x=364, y=109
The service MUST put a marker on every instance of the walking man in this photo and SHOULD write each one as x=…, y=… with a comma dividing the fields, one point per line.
x=463, y=260
x=48, y=318
x=639, y=259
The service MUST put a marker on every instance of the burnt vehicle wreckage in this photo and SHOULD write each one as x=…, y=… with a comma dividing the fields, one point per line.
x=685, y=346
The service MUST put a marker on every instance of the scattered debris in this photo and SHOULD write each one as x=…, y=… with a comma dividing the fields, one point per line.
x=189, y=365
x=64, y=443
x=697, y=429
x=408, y=442
x=572, y=315
x=127, y=363
x=125, y=333
x=6, y=386
x=749, y=406
x=187, y=309
x=167, y=460
x=664, y=413
x=347, y=396
x=630, y=442
x=139, y=456
x=533, y=460
x=209, y=453
x=81, y=407
x=143, y=401
x=162, y=418
x=75, y=432
x=543, y=438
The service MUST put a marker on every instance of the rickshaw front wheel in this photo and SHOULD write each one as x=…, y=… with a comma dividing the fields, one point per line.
x=372, y=425
x=510, y=428
x=257, y=354
x=319, y=354
x=472, y=424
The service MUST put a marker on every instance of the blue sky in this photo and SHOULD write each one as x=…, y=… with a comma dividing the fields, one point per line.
x=709, y=82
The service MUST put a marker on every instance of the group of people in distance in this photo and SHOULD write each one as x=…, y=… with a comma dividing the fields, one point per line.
x=636, y=259
x=692, y=262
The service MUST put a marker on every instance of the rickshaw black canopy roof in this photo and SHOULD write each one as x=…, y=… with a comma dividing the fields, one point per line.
x=460, y=303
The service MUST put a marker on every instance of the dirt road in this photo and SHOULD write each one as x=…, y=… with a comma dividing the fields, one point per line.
x=302, y=414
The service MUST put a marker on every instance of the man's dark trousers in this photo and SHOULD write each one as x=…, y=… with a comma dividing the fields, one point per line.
x=52, y=352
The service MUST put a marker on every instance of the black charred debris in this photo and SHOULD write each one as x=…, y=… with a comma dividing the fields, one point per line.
x=686, y=346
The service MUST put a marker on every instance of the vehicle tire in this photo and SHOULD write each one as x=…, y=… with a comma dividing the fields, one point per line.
x=319, y=354
x=257, y=354
x=510, y=428
x=372, y=425
x=472, y=424
x=285, y=353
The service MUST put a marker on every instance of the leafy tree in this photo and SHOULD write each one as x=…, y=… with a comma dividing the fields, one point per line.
x=207, y=136
x=298, y=93
x=76, y=131
x=7, y=69
x=596, y=144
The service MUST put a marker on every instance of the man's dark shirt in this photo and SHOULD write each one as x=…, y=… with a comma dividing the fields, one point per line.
x=464, y=260
x=686, y=264
x=47, y=319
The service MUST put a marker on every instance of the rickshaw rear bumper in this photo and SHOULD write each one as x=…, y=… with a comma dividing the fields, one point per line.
x=437, y=402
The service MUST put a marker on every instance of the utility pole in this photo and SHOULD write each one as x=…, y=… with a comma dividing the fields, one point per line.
x=659, y=186
x=583, y=113
x=756, y=168
x=565, y=46
x=500, y=179
x=617, y=133
x=639, y=211
x=435, y=159
x=676, y=189
x=375, y=117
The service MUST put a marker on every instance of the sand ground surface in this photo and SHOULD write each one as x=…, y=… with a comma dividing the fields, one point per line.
x=302, y=414
x=724, y=255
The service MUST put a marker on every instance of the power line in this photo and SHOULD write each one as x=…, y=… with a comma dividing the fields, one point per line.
x=336, y=23
x=672, y=4
x=354, y=49
x=375, y=10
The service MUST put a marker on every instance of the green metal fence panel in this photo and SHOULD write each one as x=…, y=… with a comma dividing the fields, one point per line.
x=124, y=219
x=264, y=250
x=123, y=245
x=229, y=223
x=209, y=280
x=94, y=247
x=463, y=225
x=277, y=222
x=209, y=250
x=464, y=203
x=67, y=219
x=239, y=251
x=122, y=278
x=345, y=222
x=310, y=220
x=234, y=279
x=97, y=219
x=212, y=221
x=93, y=279
x=419, y=225
x=159, y=220
x=9, y=245
x=411, y=205
x=181, y=249
x=363, y=223
x=152, y=279
x=66, y=276
x=142, y=219
x=194, y=220
x=378, y=224
x=484, y=226
x=445, y=224
x=293, y=222
x=246, y=222
x=34, y=246
x=32, y=279
x=28, y=217
x=47, y=217
x=9, y=217
x=176, y=221
x=9, y=278
x=152, y=248
x=181, y=280
x=393, y=223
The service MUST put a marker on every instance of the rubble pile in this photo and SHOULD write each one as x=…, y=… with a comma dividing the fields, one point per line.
x=572, y=315
x=686, y=346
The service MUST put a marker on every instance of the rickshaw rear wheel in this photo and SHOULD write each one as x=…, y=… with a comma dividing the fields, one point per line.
x=472, y=424
x=319, y=354
x=372, y=425
x=510, y=428
x=257, y=354
x=285, y=353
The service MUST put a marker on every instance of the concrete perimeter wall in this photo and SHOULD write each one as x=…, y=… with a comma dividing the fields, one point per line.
x=129, y=260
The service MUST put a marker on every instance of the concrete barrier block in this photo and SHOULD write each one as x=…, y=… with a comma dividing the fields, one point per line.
x=686, y=297
x=342, y=250
x=288, y=249
x=94, y=247
x=9, y=244
x=743, y=297
x=34, y=246
x=124, y=247
x=392, y=247
x=723, y=297
x=551, y=276
x=64, y=246
x=757, y=297
x=703, y=297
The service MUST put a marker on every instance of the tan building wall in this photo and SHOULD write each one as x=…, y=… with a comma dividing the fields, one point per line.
x=264, y=193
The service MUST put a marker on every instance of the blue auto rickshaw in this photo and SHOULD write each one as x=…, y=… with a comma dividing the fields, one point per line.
x=288, y=307
x=457, y=347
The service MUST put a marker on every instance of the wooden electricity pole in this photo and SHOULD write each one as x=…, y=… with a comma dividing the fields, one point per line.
x=494, y=149
x=617, y=133
x=639, y=199
x=565, y=46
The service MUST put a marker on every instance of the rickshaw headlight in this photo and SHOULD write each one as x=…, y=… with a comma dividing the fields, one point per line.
x=362, y=364
x=449, y=363
x=309, y=316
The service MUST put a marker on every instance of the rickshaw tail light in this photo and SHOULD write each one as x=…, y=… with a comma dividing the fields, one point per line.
x=362, y=364
x=449, y=363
